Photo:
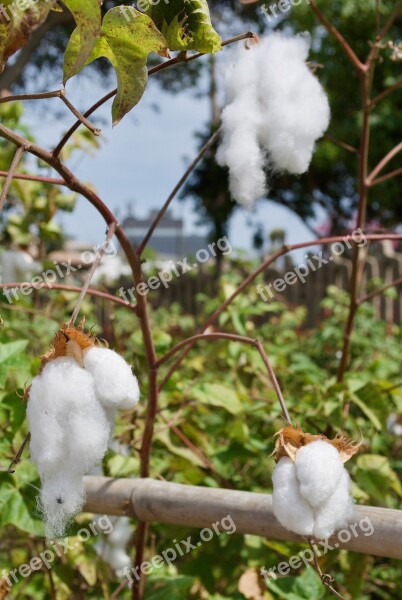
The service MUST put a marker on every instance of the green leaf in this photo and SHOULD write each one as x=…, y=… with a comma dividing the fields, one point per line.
x=126, y=40
x=11, y=349
x=174, y=588
x=217, y=394
x=17, y=508
x=366, y=410
x=376, y=477
x=186, y=24
x=87, y=15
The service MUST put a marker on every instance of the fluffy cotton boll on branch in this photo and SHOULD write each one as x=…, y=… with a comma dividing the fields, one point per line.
x=241, y=121
x=319, y=469
x=294, y=104
x=115, y=384
x=336, y=511
x=69, y=435
x=289, y=506
x=276, y=110
x=311, y=495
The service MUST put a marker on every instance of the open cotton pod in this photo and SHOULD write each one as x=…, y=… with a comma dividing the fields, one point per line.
x=311, y=493
x=71, y=408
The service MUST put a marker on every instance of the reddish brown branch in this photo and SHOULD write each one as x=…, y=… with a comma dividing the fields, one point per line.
x=68, y=288
x=356, y=62
x=383, y=163
x=234, y=338
x=341, y=144
x=380, y=291
x=27, y=177
x=385, y=93
x=55, y=94
x=386, y=177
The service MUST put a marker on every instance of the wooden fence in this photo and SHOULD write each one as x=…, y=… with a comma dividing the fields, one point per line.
x=383, y=264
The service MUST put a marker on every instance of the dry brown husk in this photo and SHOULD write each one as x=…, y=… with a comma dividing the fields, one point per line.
x=69, y=341
x=290, y=439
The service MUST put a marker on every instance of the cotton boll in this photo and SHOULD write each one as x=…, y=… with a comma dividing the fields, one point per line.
x=319, y=468
x=276, y=110
x=122, y=532
x=241, y=120
x=112, y=548
x=115, y=384
x=336, y=511
x=69, y=435
x=295, y=106
x=289, y=507
x=117, y=559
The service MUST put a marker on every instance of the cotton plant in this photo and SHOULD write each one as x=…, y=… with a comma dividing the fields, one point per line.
x=311, y=494
x=71, y=410
x=276, y=110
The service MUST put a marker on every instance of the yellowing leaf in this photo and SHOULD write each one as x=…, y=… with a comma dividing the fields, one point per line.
x=16, y=26
x=87, y=15
x=186, y=25
x=126, y=40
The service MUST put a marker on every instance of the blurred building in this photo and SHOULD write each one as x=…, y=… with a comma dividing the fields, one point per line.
x=168, y=240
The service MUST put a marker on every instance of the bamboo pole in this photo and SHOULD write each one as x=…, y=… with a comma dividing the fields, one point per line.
x=171, y=503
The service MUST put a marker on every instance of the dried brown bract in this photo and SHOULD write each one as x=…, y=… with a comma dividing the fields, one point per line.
x=290, y=439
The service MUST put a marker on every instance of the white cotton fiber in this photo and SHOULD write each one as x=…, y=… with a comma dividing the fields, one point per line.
x=335, y=512
x=69, y=435
x=241, y=121
x=319, y=469
x=115, y=384
x=311, y=496
x=295, y=106
x=290, y=508
x=112, y=548
x=62, y=497
x=276, y=110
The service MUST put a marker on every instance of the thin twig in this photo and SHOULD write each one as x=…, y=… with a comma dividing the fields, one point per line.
x=176, y=189
x=27, y=177
x=10, y=175
x=326, y=579
x=17, y=459
x=380, y=291
x=234, y=338
x=385, y=93
x=341, y=144
x=264, y=265
x=182, y=57
x=55, y=94
x=68, y=288
x=95, y=130
x=356, y=62
x=383, y=163
x=96, y=263
x=386, y=177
